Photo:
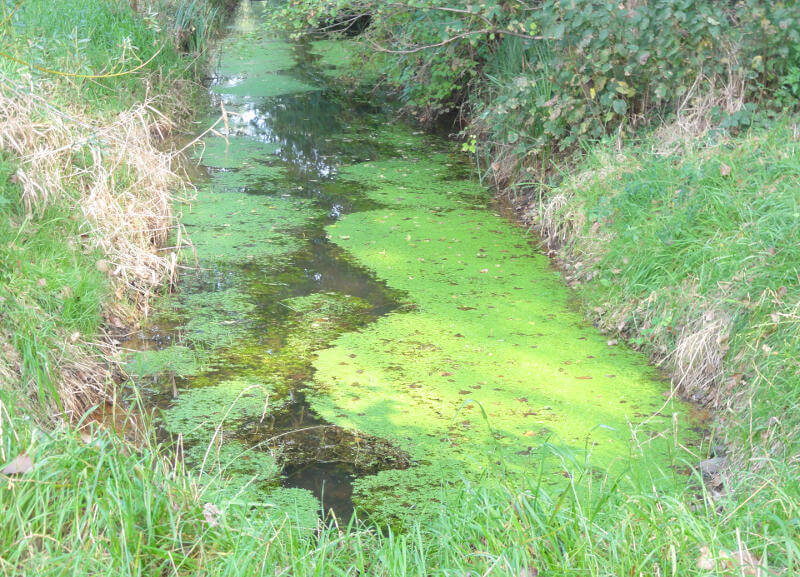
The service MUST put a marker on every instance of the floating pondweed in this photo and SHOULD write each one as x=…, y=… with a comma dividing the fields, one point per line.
x=357, y=316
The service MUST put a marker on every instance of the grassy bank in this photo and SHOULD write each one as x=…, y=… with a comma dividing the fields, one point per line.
x=87, y=93
x=86, y=191
x=692, y=255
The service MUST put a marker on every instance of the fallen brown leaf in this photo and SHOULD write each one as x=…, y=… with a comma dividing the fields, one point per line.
x=740, y=562
x=19, y=466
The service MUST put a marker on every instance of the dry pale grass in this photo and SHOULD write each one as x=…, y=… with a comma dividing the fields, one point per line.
x=504, y=168
x=113, y=173
x=9, y=361
x=560, y=221
x=697, y=359
x=709, y=93
x=120, y=185
x=86, y=377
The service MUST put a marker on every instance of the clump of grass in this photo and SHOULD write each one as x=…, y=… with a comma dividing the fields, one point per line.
x=193, y=24
x=50, y=303
x=91, y=504
x=106, y=56
x=693, y=257
x=92, y=207
x=113, y=173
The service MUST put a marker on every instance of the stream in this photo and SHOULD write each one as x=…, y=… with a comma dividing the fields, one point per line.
x=358, y=325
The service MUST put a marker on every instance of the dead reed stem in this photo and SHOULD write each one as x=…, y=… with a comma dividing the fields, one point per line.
x=121, y=186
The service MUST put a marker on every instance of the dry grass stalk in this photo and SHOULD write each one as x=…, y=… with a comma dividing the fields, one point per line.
x=697, y=359
x=121, y=187
x=113, y=173
x=556, y=219
x=706, y=95
x=86, y=378
x=504, y=168
x=9, y=362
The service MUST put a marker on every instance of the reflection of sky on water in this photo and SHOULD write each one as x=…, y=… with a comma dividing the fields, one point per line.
x=299, y=124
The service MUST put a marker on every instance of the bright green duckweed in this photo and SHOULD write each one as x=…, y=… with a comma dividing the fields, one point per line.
x=334, y=55
x=249, y=53
x=422, y=184
x=343, y=59
x=486, y=362
x=177, y=360
x=200, y=411
x=251, y=63
x=233, y=152
x=258, y=179
x=257, y=87
x=235, y=227
x=492, y=331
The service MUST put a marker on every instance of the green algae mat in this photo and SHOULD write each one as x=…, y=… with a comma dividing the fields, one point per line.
x=357, y=325
x=492, y=361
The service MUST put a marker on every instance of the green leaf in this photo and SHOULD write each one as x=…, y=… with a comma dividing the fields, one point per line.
x=620, y=106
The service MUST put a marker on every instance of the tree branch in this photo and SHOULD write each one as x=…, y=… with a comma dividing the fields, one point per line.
x=453, y=39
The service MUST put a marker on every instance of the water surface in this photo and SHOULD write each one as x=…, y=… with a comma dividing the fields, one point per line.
x=358, y=324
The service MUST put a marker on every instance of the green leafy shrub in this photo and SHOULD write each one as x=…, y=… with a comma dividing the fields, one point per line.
x=577, y=68
x=612, y=63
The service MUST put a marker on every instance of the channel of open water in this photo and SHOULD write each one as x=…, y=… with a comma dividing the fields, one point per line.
x=354, y=314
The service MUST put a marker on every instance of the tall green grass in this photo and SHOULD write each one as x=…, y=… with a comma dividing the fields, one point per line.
x=94, y=505
x=193, y=23
x=670, y=240
x=711, y=230
x=134, y=54
x=50, y=287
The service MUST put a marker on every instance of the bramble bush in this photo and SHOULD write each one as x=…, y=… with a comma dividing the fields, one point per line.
x=608, y=64
x=553, y=72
